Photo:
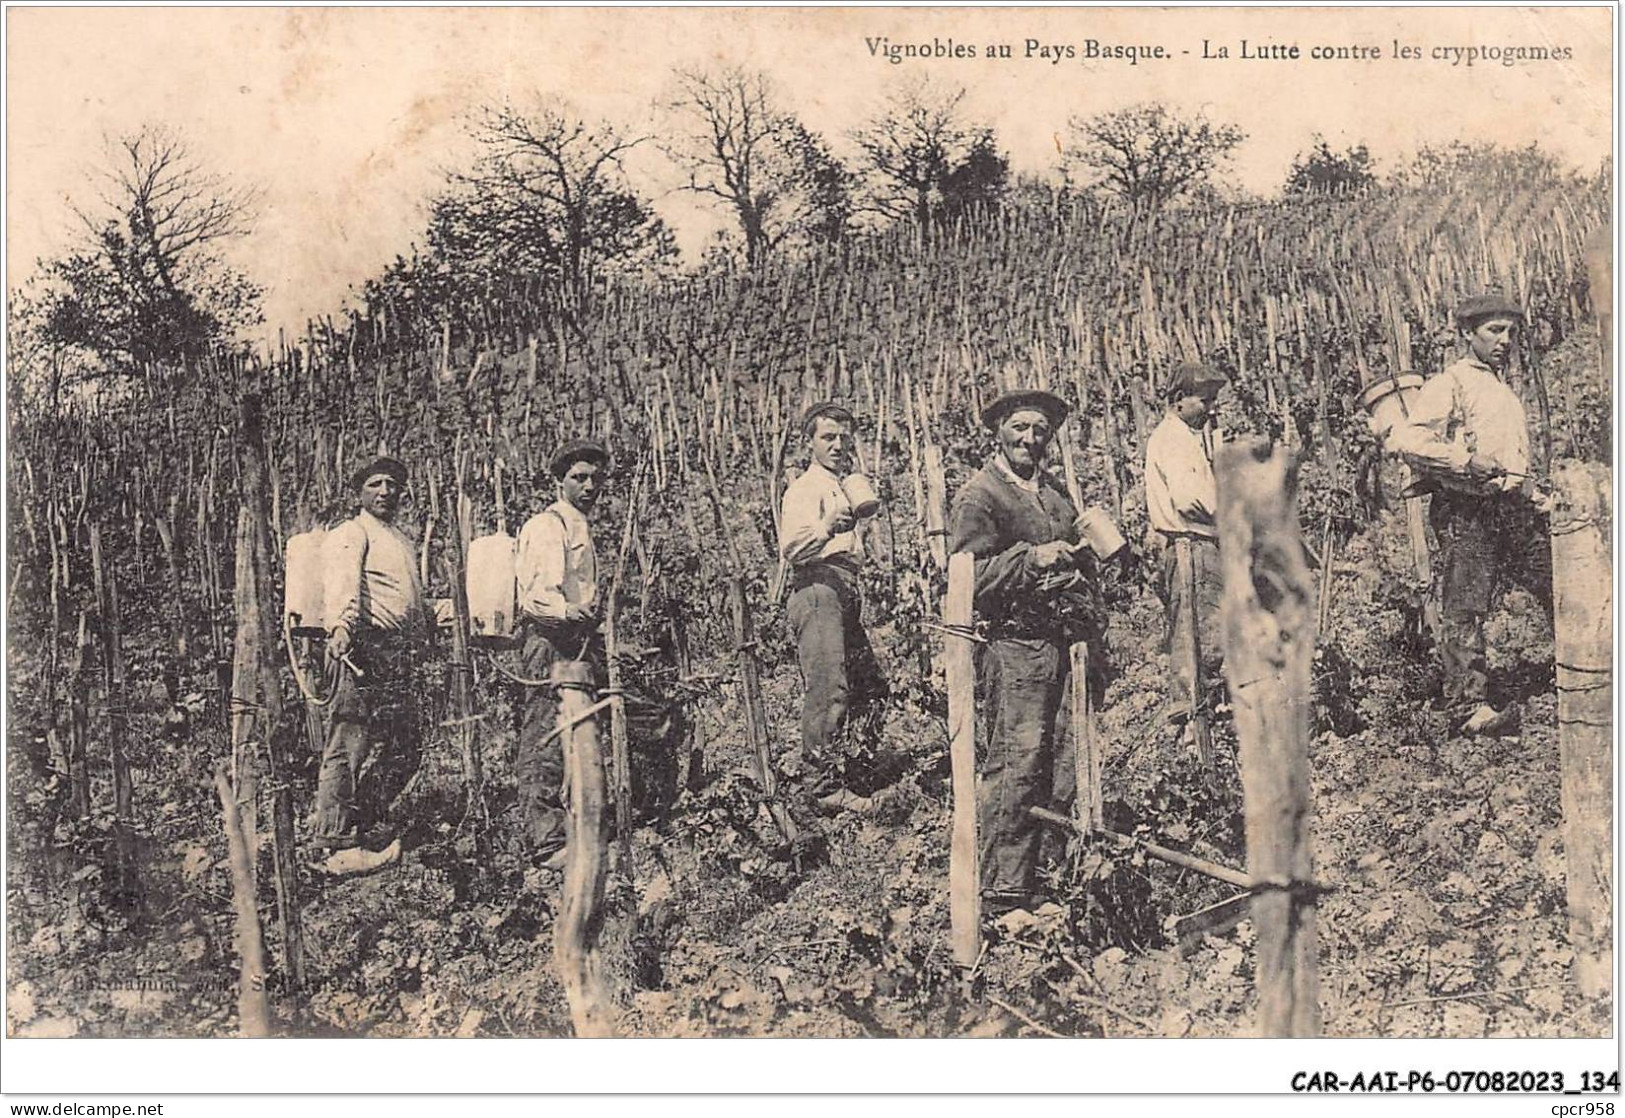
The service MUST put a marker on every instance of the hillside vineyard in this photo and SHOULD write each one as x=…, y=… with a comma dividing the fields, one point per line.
x=695, y=895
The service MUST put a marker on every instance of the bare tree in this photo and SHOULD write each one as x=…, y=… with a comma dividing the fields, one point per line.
x=147, y=285
x=735, y=143
x=1147, y=154
x=546, y=198
x=171, y=204
x=924, y=157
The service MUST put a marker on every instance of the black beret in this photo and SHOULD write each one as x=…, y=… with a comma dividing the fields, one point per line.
x=575, y=451
x=384, y=465
x=1190, y=377
x=810, y=417
x=1475, y=307
x=1053, y=407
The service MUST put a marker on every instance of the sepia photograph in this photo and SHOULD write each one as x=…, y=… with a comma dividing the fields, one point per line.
x=818, y=523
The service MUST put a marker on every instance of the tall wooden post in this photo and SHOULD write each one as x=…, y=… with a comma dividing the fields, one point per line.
x=263, y=682
x=1269, y=628
x=581, y=907
x=1582, y=591
x=964, y=875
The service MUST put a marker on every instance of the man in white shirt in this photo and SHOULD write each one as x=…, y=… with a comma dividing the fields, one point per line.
x=1181, y=500
x=1467, y=436
x=379, y=631
x=557, y=573
x=818, y=542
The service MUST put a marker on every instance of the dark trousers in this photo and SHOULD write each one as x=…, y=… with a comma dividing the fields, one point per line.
x=1023, y=759
x=841, y=677
x=539, y=764
x=1183, y=611
x=374, y=744
x=1485, y=543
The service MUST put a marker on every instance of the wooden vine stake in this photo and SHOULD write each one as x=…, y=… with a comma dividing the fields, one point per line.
x=581, y=907
x=964, y=875
x=1269, y=628
x=620, y=751
x=1582, y=592
x=253, y=1006
x=1088, y=799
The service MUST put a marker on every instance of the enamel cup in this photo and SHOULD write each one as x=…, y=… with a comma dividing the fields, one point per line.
x=861, y=495
x=1097, y=530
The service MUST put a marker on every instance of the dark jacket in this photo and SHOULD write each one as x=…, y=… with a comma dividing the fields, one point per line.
x=1000, y=523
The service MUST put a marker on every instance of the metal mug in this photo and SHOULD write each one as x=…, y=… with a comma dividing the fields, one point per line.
x=1099, y=532
x=860, y=495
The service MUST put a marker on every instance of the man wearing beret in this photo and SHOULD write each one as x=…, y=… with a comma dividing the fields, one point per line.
x=557, y=573
x=1181, y=499
x=1467, y=436
x=1035, y=590
x=379, y=632
x=819, y=545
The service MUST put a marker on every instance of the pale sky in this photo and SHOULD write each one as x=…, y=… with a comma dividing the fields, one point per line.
x=345, y=116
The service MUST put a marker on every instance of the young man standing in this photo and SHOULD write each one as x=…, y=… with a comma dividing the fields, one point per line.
x=1467, y=435
x=819, y=544
x=557, y=573
x=379, y=633
x=1181, y=500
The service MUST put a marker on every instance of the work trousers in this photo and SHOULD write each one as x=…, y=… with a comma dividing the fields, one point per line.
x=374, y=743
x=539, y=764
x=1192, y=621
x=842, y=680
x=1023, y=758
x=1485, y=542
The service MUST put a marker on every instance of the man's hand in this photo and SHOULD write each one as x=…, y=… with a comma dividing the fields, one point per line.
x=581, y=613
x=338, y=643
x=1048, y=555
x=1481, y=467
x=839, y=520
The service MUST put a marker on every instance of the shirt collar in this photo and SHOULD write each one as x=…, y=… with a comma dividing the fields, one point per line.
x=1015, y=479
x=568, y=512
x=817, y=469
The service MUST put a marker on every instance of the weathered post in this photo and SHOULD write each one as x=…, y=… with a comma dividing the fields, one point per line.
x=964, y=875
x=253, y=1008
x=1269, y=629
x=581, y=907
x=1582, y=592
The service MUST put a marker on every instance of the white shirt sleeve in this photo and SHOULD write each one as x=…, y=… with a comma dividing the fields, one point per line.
x=1425, y=438
x=540, y=568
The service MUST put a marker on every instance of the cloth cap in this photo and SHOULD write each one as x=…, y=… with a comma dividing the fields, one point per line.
x=1054, y=408
x=383, y=465
x=1190, y=377
x=1475, y=307
x=810, y=417
x=575, y=451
